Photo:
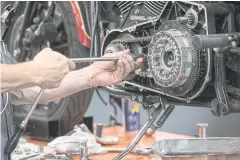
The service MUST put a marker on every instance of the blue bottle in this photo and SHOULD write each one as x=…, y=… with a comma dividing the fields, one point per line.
x=131, y=115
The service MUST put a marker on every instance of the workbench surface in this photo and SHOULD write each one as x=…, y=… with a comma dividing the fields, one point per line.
x=125, y=140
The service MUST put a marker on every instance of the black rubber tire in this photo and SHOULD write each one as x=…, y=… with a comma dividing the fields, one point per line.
x=71, y=111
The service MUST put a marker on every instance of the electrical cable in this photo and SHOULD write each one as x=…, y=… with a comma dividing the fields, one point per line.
x=100, y=96
x=94, y=29
x=88, y=18
x=95, y=26
x=128, y=14
x=5, y=105
x=105, y=12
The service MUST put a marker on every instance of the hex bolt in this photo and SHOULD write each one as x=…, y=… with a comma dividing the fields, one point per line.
x=83, y=152
x=99, y=130
x=133, y=98
x=140, y=98
x=182, y=19
x=202, y=130
x=40, y=149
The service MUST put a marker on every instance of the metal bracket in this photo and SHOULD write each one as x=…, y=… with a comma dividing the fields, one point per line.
x=153, y=117
x=6, y=18
x=220, y=82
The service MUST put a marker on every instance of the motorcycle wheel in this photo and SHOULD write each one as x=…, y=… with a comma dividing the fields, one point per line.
x=69, y=110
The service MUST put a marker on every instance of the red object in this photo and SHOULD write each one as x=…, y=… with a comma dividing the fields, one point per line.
x=83, y=37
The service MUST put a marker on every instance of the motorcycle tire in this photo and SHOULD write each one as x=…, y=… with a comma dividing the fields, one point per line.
x=71, y=109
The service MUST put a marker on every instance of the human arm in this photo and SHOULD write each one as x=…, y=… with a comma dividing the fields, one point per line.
x=97, y=74
x=46, y=70
x=16, y=76
x=73, y=82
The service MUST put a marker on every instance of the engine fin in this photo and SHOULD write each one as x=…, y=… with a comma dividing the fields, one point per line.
x=124, y=6
x=155, y=7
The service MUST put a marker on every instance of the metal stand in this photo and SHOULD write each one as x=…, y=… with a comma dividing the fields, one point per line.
x=154, y=116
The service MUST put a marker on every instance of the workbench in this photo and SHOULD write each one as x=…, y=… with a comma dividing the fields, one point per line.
x=126, y=137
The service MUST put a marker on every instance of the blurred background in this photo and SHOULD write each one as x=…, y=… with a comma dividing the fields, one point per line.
x=38, y=25
x=183, y=120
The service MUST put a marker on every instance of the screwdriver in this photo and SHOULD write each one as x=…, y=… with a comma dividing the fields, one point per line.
x=12, y=143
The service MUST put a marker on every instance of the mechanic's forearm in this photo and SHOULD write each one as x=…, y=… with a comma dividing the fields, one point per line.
x=16, y=76
x=73, y=82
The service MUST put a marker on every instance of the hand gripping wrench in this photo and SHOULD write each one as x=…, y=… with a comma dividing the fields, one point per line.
x=12, y=143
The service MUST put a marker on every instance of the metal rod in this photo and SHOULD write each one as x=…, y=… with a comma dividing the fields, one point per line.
x=27, y=13
x=34, y=106
x=12, y=143
x=202, y=130
x=140, y=134
x=82, y=60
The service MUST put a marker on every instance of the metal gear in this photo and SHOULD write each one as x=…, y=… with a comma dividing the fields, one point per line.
x=132, y=40
x=192, y=16
x=181, y=78
x=111, y=48
x=123, y=42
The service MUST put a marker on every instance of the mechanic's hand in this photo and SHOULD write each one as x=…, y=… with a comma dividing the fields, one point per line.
x=110, y=72
x=50, y=68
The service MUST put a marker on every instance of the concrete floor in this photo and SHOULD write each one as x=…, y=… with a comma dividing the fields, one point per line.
x=183, y=120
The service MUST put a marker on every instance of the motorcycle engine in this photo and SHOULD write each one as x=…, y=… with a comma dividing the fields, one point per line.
x=163, y=31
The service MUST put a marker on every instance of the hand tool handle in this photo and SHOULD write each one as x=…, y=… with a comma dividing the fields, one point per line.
x=12, y=143
x=34, y=105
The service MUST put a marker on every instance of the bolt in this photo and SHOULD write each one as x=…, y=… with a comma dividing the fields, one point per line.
x=217, y=50
x=182, y=19
x=40, y=149
x=36, y=20
x=16, y=52
x=137, y=11
x=133, y=98
x=140, y=98
x=83, y=152
x=204, y=25
x=99, y=130
x=202, y=130
x=234, y=44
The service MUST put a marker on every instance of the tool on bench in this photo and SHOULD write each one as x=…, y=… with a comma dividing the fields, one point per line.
x=209, y=146
x=139, y=151
x=12, y=143
x=197, y=146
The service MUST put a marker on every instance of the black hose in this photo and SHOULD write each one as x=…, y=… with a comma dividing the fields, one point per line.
x=88, y=17
x=94, y=29
x=26, y=14
x=95, y=24
x=105, y=12
x=128, y=14
x=101, y=98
